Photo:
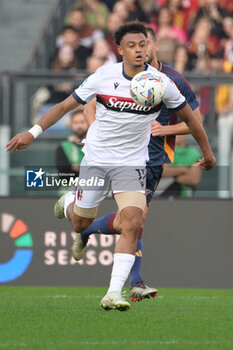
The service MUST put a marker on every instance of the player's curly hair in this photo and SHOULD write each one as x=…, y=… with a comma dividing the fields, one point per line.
x=131, y=27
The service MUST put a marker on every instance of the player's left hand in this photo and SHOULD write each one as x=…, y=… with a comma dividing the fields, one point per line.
x=158, y=129
x=19, y=141
x=207, y=163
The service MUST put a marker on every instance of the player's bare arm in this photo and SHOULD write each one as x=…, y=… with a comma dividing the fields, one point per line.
x=192, y=177
x=200, y=136
x=176, y=129
x=186, y=175
x=23, y=140
x=89, y=111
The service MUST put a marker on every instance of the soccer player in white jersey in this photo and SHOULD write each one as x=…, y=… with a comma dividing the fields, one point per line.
x=117, y=144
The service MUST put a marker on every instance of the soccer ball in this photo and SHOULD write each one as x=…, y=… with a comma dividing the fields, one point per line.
x=147, y=89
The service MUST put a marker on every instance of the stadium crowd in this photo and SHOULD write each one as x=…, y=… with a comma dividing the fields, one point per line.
x=193, y=35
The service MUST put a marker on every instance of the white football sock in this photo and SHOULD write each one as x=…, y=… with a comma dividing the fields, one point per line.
x=69, y=198
x=120, y=271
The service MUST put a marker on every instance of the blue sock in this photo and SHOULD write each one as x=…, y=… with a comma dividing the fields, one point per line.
x=135, y=273
x=101, y=225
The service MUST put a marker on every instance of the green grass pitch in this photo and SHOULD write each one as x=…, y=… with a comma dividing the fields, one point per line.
x=71, y=318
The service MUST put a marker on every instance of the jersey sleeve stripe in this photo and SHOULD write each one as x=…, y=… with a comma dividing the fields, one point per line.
x=78, y=99
x=179, y=107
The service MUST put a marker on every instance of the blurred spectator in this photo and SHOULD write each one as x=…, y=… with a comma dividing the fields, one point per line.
x=183, y=12
x=210, y=9
x=69, y=153
x=216, y=62
x=168, y=36
x=228, y=47
x=186, y=175
x=93, y=63
x=203, y=64
x=227, y=5
x=222, y=92
x=121, y=9
x=199, y=49
x=180, y=62
x=96, y=13
x=109, y=3
x=135, y=11
x=114, y=22
x=203, y=92
x=87, y=34
x=191, y=7
x=69, y=35
x=102, y=50
x=148, y=6
x=65, y=60
x=202, y=43
x=165, y=25
x=179, y=15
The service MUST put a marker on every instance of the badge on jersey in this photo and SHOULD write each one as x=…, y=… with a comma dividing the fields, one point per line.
x=116, y=84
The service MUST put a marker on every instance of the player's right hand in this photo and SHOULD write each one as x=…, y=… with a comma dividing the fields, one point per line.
x=207, y=163
x=19, y=141
x=158, y=129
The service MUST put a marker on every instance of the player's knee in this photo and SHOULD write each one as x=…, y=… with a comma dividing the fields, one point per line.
x=136, y=224
x=132, y=220
x=81, y=224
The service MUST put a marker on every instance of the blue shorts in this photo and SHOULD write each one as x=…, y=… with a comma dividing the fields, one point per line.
x=153, y=176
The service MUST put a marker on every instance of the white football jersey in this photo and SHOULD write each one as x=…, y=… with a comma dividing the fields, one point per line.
x=121, y=132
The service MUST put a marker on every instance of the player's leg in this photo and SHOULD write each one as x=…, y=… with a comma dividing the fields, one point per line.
x=98, y=226
x=80, y=218
x=128, y=186
x=104, y=225
x=85, y=206
x=139, y=290
x=135, y=276
x=110, y=224
x=131, y=206
x=81, y=206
